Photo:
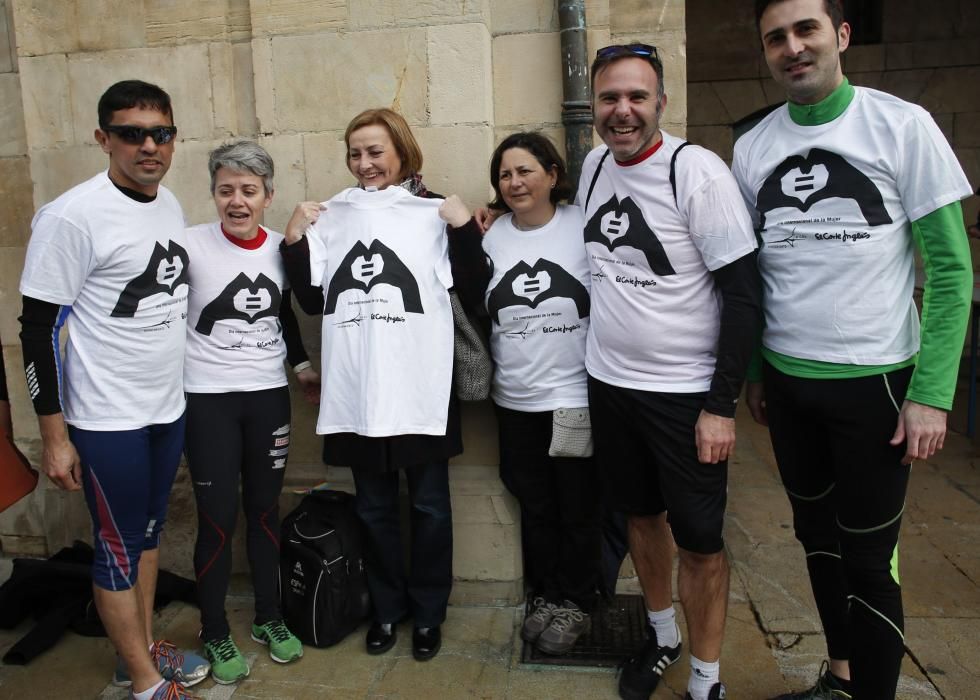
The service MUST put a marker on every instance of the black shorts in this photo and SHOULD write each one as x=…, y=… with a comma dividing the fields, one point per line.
x=648, y=462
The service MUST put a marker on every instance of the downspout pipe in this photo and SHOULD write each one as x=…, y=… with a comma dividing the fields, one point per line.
x=576, y=108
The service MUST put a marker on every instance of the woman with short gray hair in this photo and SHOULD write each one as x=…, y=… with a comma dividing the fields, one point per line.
x=240, y=328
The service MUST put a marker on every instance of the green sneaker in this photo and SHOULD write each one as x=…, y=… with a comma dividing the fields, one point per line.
x=284, y=646
x=227, y=663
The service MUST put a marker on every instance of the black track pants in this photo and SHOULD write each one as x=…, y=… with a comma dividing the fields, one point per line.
x=559, y=498
x=238, y=436
x=847, y=486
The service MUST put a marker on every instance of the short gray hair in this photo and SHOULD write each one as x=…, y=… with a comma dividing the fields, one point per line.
x=243, y=157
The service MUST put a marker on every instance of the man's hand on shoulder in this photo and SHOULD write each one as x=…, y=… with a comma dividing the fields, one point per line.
x=922, y=428
x=59, y=458
x=715, y=437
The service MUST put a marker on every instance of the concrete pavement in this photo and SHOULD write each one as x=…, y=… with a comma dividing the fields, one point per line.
x=772, y=643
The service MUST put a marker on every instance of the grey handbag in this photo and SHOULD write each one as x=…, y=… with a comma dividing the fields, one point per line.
x=472, y=368
x=571, y=433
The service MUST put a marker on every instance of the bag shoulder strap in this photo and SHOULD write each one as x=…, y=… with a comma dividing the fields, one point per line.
x=673, y=169
x=673, y=173
x=595, y=178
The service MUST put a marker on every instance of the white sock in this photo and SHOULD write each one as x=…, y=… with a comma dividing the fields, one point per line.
x=664, y=623
x=148, y=693
x=703, y=676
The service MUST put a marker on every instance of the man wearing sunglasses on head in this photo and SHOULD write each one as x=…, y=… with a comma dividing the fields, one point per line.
x=109, y=256
x=675, y=309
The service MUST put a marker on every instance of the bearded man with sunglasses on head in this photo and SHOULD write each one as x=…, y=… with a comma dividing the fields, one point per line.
x=675, y=312
x=109, y=255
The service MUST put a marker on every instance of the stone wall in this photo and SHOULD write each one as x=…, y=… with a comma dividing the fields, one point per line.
x=291, y=73
x=929, y=54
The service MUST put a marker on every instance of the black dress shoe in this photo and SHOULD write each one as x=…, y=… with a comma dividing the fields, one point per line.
x=426, y=642
x=380, y=638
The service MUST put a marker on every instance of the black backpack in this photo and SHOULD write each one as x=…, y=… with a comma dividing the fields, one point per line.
x=321, y=569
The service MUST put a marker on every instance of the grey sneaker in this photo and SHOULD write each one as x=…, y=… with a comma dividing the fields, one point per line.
x=567, y=625
x=538, y=619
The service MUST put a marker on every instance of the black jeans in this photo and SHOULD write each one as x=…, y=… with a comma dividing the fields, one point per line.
x=559, y=500
x=423, y=590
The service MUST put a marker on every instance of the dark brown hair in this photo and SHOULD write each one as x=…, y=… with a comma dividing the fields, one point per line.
x=127, y=94
x=833, y=8
x=612, y=54
x=544, y=151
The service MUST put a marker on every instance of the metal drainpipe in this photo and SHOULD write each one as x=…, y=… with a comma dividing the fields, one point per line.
x=576, y=109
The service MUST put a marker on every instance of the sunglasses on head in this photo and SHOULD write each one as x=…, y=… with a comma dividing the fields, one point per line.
x=136, y=135
x=641, y=50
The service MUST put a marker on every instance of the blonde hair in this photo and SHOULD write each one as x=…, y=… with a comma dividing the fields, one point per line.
x=401, y=136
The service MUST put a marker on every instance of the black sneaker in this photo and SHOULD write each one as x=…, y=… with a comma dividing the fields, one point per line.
x=826, y=688
x=717, y=692
x=641, y=674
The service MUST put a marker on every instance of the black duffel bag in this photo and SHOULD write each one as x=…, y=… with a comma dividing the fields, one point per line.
x=321, y=569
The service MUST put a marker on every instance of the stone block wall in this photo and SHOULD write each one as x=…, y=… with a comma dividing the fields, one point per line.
x=291, y=74
x=929, y=54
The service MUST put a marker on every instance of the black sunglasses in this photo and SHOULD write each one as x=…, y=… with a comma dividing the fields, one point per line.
x=136, y=135
x=641, y=50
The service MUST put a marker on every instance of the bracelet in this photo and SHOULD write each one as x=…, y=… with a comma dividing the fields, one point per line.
x=301, y=366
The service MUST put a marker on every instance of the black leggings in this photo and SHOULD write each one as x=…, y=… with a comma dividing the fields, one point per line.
x=230, y=435
x=847, y=486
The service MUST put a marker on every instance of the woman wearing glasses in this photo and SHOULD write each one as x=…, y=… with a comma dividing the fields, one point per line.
x=534, y=280
x=240, y=328
x=379, y=252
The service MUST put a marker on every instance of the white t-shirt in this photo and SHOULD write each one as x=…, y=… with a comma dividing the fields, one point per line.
x=538, y=300
x=382, y=259
x=122, y=266
x=655, y=308
x=234, y=338
x=834, y=203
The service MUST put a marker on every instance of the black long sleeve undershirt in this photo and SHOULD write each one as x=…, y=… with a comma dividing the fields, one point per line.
x=4, y=396
x=291, y=335
x=37, y=338
x=741, y=323
x=296, y=260
x=471, y=267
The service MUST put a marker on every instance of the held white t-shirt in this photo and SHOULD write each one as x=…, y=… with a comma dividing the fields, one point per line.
x=655, y=308
x=234, y=338
x=382, y=258
x=538, y=300
x=121, y=266
x=834, y=203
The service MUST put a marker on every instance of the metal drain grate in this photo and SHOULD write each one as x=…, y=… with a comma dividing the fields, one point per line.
x=618, y=629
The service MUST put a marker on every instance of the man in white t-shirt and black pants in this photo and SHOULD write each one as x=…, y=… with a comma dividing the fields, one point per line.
x=109, y=256
x=675, y=311
x=844, y=184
